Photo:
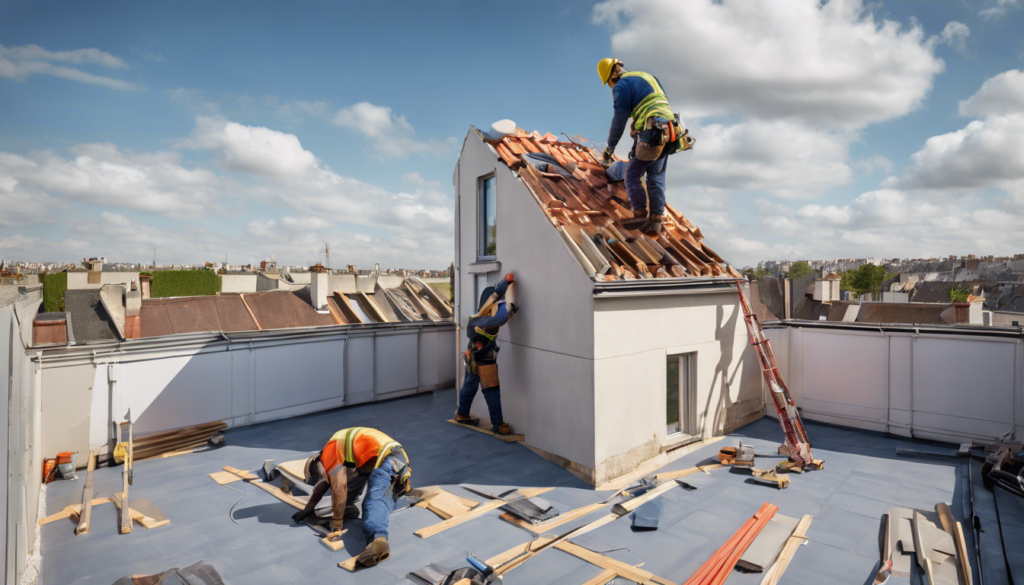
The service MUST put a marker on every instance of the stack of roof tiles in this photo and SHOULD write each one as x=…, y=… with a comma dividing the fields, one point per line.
x=589, y=210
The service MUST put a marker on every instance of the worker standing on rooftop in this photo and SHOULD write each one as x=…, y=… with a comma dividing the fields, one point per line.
x=354, y=458
x=656, y=132
x=481, y=356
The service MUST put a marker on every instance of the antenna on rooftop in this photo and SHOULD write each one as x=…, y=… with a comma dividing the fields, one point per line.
x=327, y=254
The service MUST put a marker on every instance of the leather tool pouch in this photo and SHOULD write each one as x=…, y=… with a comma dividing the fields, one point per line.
x=651, y=141
x=471, y=366
x=488, y=376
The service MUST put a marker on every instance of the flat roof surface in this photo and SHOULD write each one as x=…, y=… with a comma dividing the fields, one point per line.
x=861, y=481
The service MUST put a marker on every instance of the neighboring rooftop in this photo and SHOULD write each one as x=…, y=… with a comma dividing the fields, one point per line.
x=90, y=321
x=250, y=537
x=573, y=190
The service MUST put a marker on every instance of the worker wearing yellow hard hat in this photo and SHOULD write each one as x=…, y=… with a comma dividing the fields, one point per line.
x=656, y=132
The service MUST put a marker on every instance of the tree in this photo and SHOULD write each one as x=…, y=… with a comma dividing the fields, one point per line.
x=761, y=271
x=959, y=294
x=866, y=279
x=799, y=269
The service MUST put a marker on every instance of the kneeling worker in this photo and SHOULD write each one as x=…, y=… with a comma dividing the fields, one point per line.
x=482, y=356
x=352, y=459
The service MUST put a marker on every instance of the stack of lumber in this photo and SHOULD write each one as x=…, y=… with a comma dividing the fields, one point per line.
x=167, y=443
x=716, y=569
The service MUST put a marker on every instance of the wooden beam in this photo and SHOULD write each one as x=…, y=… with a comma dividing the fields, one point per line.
x=672, y=475
x=485, y=428
x=623, y=569
x=273, y=490
x=555, y=522
x=479, y=510
x=950, y=525
x=224, y=477
x=86, y=515
x=374, y=309
x=133, y=514
x=774, y=574
x=70, y=511
x=126, y=518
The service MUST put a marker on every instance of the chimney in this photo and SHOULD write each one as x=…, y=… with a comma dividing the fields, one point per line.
x=145, y=283
x=132, y=309
x=963, y=313
x=319, y=290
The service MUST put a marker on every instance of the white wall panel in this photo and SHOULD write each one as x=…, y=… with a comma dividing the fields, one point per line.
x=969, y=379
x=428, y=359
x=360, y=376
x=175, y=391
x=303, y=373
x=844, y=369
x=396, y=364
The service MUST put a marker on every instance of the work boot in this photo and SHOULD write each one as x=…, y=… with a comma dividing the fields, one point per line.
x=351, y=511
x=466, y=420
x=653, y=226
x=504, y=430
x=638, y=220
x=374, y=553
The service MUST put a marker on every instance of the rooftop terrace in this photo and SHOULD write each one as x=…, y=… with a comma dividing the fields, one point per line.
x=258, y=543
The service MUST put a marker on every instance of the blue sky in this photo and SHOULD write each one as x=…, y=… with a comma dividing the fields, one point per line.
x=234, y=129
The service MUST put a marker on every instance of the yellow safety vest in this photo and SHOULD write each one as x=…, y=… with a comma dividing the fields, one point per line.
x=654, y=105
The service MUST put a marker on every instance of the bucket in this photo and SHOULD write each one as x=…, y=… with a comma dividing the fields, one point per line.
x=48, y=470
x=66, y=464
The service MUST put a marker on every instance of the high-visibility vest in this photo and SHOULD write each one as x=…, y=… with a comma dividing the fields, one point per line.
x=357, y=445
x=654, y=105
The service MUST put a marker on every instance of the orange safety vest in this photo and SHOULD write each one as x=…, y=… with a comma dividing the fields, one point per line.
x=357, y=446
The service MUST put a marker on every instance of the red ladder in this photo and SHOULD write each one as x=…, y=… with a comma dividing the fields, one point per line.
x=797, y=447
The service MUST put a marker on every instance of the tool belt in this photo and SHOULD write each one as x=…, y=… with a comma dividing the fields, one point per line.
x=659, y=138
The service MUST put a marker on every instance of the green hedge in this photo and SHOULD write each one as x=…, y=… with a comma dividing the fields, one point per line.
x=54, y=286
x=184, y=283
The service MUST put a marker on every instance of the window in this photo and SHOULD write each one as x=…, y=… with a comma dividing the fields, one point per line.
x=488, y=223
x=680, y=395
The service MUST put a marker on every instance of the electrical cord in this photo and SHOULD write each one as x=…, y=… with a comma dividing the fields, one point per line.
x=231, y=512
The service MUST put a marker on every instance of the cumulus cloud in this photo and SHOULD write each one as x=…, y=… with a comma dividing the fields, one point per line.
x=103, y=174
x=985, y=153
x=390, y=134
x=23, y=61
x=252, y=149
x=999, y=95
x=955, y=35
x=780, y=157
x=829, y=63
x=419, y=181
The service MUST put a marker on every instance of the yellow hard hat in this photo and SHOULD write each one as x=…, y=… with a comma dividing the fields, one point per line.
x=605, y=68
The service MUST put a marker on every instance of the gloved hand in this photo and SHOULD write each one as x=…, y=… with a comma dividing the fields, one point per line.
x=335, y=536
x=513, y=308
x=301, y=515
x=607, y=155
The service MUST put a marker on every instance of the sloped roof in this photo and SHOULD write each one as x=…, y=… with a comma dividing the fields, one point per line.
x=910, y=313
x=578, y=199
x=89, y=320
x=194, y=314
x=284, y=309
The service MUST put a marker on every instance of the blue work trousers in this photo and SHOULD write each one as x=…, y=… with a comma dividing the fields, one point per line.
x=491, y=395
x=379, y=501
x=654, y=199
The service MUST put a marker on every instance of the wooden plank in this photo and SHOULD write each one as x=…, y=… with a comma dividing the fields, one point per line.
x=145, y=521
x=485, y=428
x=447, y=505
x=372, y=304
x=673, y=475
x=623, y=569
x=334, y=545
x=224, y=477
x=774, y=574
x=86, y=515
x=950, y=525
x=603, y=578
x=70, y=511
x=126, y=518
x=554, y=522
x=630, y=505
x=479, y=510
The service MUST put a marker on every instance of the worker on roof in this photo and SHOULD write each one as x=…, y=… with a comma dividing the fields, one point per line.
x=481, y=356
x=353, y=459
x=656, y=133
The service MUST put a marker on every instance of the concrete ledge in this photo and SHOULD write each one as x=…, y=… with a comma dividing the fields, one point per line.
x=483, y=267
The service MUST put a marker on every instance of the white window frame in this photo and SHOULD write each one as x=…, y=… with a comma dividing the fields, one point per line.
x=481, y=221
x=687, y=385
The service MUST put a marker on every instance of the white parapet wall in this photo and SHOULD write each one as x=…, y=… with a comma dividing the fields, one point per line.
x=942, y=383
x=240, y=378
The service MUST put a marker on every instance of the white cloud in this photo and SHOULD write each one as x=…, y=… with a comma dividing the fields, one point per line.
x=390, y=134
x=780, y=157
x=983, y=154
x=418, y=180
x=103, y=174
x=955, y=35
x=998, y=10
x=831, y=63
x=830, y=214
x=999, y=95
x=252, y=149
x=21, y=62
